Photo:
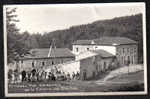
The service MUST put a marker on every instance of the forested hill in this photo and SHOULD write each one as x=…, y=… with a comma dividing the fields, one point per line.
x=19, y=44
x=128, y=26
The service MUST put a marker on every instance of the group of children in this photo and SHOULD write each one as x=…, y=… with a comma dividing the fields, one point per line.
x=35, y=75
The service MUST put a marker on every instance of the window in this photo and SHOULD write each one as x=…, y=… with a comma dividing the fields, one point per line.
x=52, y=63
x=43, y=63
x=93, y=74
x=97, y=67
x=93, y=60
x=104, y=65
x=117, y=53
x=135, y=58
x=84, y=74
x=134, y=50
x=132, y=59
x=87, y=49
x=76, y=49
x=22, y=61
x=131, y=51
x=128, y=61
x=32, y=64
x=123, y=50
x=122, y=60
x=128, y=50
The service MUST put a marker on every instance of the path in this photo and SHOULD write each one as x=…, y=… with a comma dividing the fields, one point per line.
x=124, y=70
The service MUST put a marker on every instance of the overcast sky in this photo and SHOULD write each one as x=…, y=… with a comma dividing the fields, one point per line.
x=47, y=18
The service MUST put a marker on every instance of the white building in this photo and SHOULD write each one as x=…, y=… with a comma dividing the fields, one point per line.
x=125, y=49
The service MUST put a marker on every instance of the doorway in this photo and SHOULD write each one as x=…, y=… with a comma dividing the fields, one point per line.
x=84, y=75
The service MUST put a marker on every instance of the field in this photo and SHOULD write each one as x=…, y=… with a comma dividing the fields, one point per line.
x=125, y=82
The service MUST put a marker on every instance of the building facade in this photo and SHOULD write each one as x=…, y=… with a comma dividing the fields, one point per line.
x=125, y=49
x=39, y=58
x=95, y=63
x=127, y=54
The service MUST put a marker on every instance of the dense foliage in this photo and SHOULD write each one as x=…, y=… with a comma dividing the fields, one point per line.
x=15, y=45
x=128, y=26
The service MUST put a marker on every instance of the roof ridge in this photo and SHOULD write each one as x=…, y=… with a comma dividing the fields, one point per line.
x=108, y=40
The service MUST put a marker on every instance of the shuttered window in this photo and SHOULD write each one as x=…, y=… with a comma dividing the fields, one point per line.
x=76, y=49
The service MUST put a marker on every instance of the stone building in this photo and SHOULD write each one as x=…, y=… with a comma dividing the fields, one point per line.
x=125, y=49
x=95, y=62
x=39, y=58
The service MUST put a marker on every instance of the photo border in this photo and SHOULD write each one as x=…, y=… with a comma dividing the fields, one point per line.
x=79, y=93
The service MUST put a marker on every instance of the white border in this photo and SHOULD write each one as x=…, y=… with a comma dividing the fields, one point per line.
x=79, y=93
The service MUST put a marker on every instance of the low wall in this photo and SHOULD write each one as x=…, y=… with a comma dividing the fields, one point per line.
x=67, y=67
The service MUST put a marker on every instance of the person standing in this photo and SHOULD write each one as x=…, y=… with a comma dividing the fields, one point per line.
x=23, y=75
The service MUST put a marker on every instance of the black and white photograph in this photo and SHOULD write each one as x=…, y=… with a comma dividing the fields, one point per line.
x=75, y=49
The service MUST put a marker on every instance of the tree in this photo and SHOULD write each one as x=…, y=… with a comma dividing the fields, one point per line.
x=29, y=40
x=15, y=46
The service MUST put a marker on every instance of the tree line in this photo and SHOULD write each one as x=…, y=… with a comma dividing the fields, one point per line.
x=19, y=44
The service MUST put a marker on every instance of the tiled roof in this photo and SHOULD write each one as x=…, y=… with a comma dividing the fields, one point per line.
x=106, y=41
x=91, y=53
x=43, y=53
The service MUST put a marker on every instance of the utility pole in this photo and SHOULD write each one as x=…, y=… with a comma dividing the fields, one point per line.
x=51, y=47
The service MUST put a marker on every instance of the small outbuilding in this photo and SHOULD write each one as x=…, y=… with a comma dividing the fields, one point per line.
x=94, y=62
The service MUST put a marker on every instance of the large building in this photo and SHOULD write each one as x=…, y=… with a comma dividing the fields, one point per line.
x=38, y=58
x=125, y=49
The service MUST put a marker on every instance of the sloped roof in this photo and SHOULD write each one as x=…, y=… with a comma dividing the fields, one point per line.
x=91, y=53
x=103, y=53
x=43, y=53
x=106, y=41
x=85, y=55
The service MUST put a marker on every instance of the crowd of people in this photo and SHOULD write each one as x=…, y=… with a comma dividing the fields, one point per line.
x=36, y=75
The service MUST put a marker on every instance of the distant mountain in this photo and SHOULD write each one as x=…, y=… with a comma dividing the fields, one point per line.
x=128, y=26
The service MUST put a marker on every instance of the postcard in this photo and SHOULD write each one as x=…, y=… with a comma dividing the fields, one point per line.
x=75, y=49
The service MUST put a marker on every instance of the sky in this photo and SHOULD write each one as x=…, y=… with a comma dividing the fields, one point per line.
x=50, y=17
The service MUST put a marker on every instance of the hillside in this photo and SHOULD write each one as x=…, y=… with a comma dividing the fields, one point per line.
x=128, y=26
